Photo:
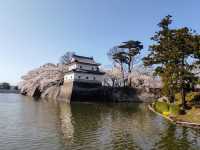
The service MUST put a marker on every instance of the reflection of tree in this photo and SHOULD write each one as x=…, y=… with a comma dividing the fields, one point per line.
x=195, y=138
x=66, y=123
x=120, y=126
x=123, y=135
x=184, y=142
x=172, y=140
x=124, y=140
x=86, y=122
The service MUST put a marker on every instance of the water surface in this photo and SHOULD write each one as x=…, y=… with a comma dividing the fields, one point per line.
x=26, y=124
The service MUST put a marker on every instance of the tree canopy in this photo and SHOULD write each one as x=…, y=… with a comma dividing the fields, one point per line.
x=175, y=53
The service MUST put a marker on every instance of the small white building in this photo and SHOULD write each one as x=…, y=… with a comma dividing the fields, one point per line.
x=83, y=69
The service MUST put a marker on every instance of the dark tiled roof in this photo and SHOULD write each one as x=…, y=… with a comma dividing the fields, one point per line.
x=84, y=57
x=86, y=63
x=83, y=60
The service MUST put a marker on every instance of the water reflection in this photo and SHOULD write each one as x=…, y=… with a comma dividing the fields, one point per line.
x=26, y=124
x=66, y=122
x=174, y=138
x=122, y=126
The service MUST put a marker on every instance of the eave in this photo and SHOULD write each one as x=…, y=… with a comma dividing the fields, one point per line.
x=86, y=72
x=78, y=62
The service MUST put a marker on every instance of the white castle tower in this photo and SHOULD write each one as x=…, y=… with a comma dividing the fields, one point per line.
x=83, y=69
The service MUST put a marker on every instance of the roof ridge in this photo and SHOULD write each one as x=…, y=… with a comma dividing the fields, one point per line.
x=83, y=57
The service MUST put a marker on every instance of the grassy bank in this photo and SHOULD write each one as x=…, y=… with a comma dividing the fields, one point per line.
x=192, y=115
x=173, y=112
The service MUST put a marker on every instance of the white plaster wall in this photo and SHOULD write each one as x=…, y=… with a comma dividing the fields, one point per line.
x=83, y=76
x=73, y=66
x=83, y=66
x=69, y=77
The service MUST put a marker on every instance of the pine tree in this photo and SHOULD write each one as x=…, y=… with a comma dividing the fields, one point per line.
x=173, y=53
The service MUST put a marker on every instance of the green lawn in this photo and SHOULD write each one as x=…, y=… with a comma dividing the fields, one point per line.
x=173, y=110
x=192, y=115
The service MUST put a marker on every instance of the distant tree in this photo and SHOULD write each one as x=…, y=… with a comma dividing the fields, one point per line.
x=125, y=54
x=65, y=59
x=117, y=55
x=174, y=52
x=113, y=76
x=133, y=49
x=5, y=85
x=16, y=88
x=42, y=78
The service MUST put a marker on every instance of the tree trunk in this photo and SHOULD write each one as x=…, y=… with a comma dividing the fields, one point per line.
x=183, y=98
x=171, y=95
x=113, y=82
x=129, y=73
x=129, y=70
x=171, y=91
x=182, y=85
x=122, y=71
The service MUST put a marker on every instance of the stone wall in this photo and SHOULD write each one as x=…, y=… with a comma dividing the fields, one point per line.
x=74, y=91
x=108, y=94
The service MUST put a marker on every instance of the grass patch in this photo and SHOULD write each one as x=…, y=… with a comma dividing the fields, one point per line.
x=192, y=115
x=174, y=109
x=167, y=109
x=191, y=96
x=161, y=107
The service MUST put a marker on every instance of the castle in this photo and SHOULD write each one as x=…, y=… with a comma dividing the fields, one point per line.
x=84, y=71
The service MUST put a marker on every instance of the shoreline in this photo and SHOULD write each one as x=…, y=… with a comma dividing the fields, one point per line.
x=176, y=122
x=2, y=91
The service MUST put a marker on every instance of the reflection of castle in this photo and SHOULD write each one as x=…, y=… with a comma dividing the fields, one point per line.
x=83, y=69
x=66, y=123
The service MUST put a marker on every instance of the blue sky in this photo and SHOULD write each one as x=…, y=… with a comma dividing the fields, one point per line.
x=34, y=32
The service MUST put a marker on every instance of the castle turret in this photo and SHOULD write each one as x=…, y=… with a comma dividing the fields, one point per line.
x=83, y=69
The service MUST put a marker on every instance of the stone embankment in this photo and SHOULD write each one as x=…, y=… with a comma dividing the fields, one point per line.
x=76, y=92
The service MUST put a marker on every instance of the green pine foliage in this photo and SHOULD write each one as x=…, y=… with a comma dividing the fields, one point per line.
x=175, y=53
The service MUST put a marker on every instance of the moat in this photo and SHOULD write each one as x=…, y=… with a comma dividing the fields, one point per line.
x=27, y=124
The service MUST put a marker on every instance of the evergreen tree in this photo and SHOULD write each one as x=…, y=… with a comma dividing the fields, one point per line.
x=174, y=53
x=134, y=48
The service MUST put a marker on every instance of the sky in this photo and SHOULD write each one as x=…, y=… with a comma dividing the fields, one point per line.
x=35, y=32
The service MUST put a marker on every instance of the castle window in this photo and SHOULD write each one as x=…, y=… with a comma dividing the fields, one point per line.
x=94, y=78
x=92, y=68
x=79, y=77
x=80, y=66
x=86, y=77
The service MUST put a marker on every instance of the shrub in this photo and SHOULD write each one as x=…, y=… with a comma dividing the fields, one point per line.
x=178, y=98
x=191, y=96
x=174, y=109
x=161, y=107
x=166, y=113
